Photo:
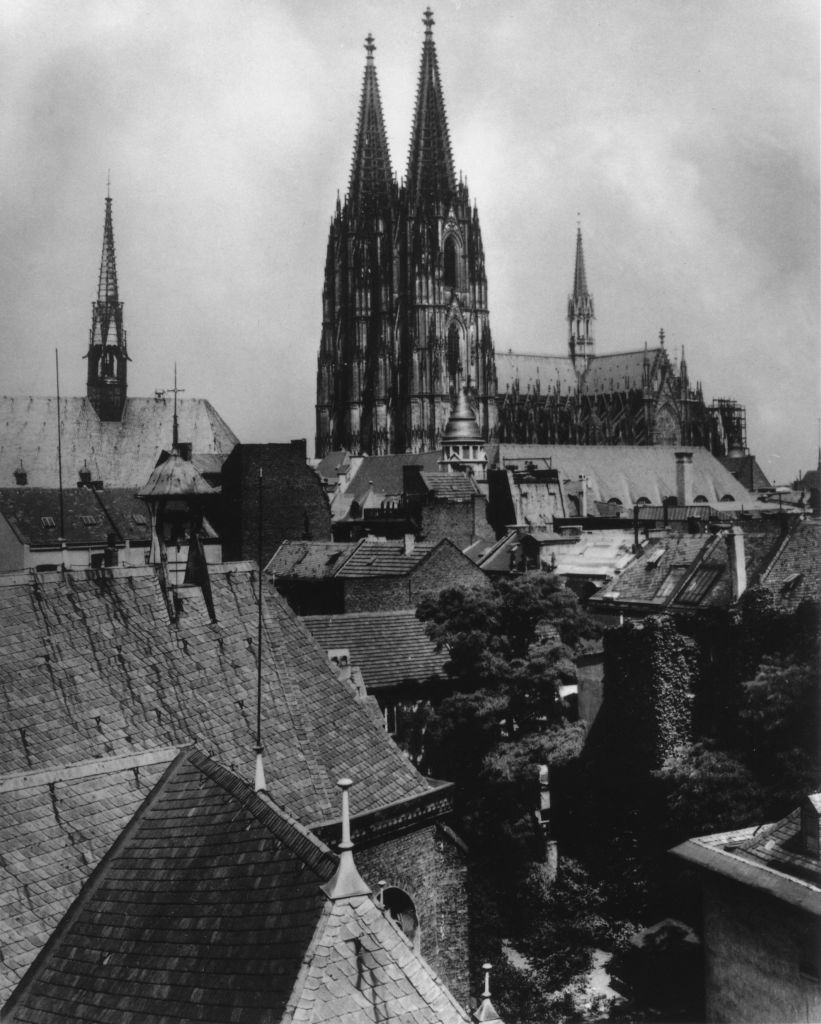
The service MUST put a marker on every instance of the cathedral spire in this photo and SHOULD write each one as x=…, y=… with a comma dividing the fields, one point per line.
x=371, y=174
x=580, y=313
x=107, y=353
x=430, y=163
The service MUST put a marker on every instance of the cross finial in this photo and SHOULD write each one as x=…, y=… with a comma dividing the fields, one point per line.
x=427, y=18
x=108, y=185
x=370, y=46
x=175, y=440
x=661, y=336
x=578, y=221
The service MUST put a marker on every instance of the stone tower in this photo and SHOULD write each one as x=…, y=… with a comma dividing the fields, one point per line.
x=405, y=317
x=107, y=352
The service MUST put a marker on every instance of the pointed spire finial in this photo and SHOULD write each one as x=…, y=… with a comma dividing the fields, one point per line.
x=661, y=336
x=486, y=1011
x=370, y=46
x=346, y=881
x=108, y=185
x=427, y=19
x=175, y=436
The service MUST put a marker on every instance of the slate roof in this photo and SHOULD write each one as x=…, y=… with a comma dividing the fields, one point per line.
x=209, y=908
x=450, y=486
x=770, y=858
x=120, y=454
x=625, y=472
x=128, y=514
x=620, y=371
x=33, y=513
x=794, y=574
x=308, y=559
x=689, y=571
x=93, y=668
x=524, y=371
x=385, y=473
x=384, y=558
x=389, y=647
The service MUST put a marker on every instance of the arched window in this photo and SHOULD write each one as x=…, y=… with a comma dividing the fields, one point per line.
x=643, y=501
x=699, y=500
x=399, y=906
x=614, y=501
x=728, y=497
x=449, y=276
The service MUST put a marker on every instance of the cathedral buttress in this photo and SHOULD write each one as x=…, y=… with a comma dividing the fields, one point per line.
x=107, y=353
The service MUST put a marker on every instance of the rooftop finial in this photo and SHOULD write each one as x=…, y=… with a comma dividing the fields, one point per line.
x=427, y=18
x=661, y=336
x=346, y=881
x=175, y=436
x=486, y=1011
x=108, y=185
x=370, y=46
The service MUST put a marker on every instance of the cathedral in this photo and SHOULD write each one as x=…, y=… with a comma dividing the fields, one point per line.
x=405, y=322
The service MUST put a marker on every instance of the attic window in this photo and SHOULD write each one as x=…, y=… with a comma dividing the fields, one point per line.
x=727, y=497
x=698, y=586
x=139, y=519
x=89, y=520
x=643, y=501
x=654, y=557
x=699, y=500
x=791, y=582
x=48, y=522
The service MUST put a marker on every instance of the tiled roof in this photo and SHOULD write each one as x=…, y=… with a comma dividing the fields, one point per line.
x=770, y=858
x=621, y=371
x=794, y=575
x=450, y=486
x=385, y=473
x=308, y=559
x=328, y=467
x=389, y=647
x=33, y=513
x=384, y=558
x=127, y=512
x=626, y=472
x=120, y=454
x=209, y=908
x=175, y=477
x=689, y=571
x=55, y=826
x=523, y=371
x=92, y=667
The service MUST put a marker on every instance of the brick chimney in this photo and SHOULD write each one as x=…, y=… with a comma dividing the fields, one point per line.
x=684, y=478
x=409, y=544
x=734, y=538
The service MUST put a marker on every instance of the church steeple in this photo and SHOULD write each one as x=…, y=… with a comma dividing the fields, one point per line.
x=430, y=163
x=107, y=353
x=580, y=313
x=371, y=175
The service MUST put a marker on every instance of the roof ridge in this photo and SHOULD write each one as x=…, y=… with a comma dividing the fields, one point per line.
x=25, y=779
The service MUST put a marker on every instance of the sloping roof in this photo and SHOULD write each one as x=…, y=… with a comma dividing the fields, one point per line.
x=308, y=559
x=175, y=477
x=620, y=371
x=120, y=454
x=208, y=907
x=746, y=470
x=55, y=826
x=626, y=472
x=328, y=466
x=769, y=858
x=384, y=472
x=523, y=371
x=450, y=486
x=389, y=647
x=127, y=512
x=688, y=571
x=794, y=574
x=92, y=667
x=384, y=558
x=33, y=513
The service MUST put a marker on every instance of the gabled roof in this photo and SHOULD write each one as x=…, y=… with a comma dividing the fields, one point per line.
x=794, y=574
x=621, y=371
x=628, y=473
x=384, y=558
x=93, y=668
x=450, y=486
x=389, y=647
x=33, y=513
x=209, y=907
x=120, y=454
x=383, y=474
x=769, y=858
x=523, y=372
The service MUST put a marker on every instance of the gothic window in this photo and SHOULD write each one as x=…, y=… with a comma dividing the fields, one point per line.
x=449, y=271
x=454, y=355
x=399, y=906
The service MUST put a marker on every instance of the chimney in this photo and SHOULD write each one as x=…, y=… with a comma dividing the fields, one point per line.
x=734, y=539
x=409, y=544
x=684, y=478
x=346, y=881
x=583, y=497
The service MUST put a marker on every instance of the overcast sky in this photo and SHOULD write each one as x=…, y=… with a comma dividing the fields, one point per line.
x=685, y=133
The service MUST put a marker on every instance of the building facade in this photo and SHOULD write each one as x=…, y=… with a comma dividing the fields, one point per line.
x=406, y=324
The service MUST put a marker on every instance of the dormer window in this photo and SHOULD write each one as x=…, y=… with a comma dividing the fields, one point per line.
x=48, y=522
x=88, y=521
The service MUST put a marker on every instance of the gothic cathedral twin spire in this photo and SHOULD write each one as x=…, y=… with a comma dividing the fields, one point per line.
x=405, y=320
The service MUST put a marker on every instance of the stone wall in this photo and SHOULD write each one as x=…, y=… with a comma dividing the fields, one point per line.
x=757, y=950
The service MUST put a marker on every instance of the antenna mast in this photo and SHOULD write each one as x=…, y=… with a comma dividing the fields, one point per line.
x=59, y=451
x=259, y=776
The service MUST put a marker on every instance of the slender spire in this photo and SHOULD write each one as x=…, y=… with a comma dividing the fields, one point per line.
x=107, y=352
x=430, y=163
x=371, y=173
x=486, y=1011
x=580, y=312
x=346, y=881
